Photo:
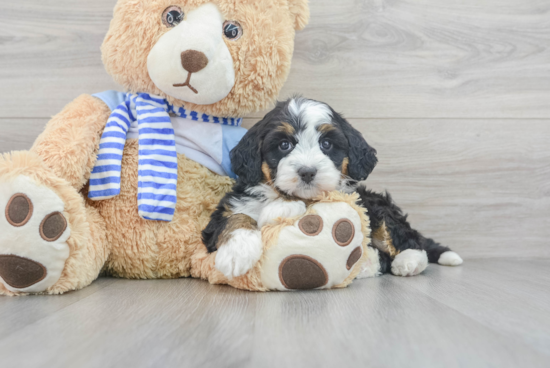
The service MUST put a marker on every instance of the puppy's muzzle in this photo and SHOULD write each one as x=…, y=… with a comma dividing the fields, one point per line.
x=307, y=174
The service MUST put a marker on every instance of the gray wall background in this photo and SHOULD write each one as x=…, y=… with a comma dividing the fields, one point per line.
x=455, y=96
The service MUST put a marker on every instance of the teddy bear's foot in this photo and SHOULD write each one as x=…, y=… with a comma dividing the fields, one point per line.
x=51, y=242
x=321, y=250
x=33, y=245
x=410, y=262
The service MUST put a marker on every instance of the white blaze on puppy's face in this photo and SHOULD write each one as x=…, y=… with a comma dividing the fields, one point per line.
x=212, y=73
x=307, y=154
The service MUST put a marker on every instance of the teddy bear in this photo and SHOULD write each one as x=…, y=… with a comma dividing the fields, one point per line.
x=122, y=183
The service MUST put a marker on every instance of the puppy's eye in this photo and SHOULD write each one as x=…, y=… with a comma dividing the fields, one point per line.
x=172, y=16
x=326, y=144
x=232, y=30
x=285, y=146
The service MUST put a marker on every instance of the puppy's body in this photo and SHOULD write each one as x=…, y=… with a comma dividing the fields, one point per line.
x=299, y=150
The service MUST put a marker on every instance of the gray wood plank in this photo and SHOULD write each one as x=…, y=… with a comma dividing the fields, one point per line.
x=144, y=324
x=510, y=296
x=430, y=58
x=379, y=323
x=16, y=313
x=376, y=322
x=19, y=134
x=49, y=54
x=474, y=58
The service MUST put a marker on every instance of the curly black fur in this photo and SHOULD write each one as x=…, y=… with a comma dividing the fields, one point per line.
x=382, y=210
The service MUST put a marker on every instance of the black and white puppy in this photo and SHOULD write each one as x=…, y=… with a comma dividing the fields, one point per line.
x=299, y=150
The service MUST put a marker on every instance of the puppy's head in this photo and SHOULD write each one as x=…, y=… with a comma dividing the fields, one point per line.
x=302, y=148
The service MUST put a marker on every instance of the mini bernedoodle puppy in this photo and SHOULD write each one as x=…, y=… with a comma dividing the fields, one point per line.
x=300, y=149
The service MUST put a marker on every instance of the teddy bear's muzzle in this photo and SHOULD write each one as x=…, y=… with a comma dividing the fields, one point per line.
x=19, y=272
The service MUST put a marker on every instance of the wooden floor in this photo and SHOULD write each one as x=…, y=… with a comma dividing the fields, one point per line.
x=488, y=313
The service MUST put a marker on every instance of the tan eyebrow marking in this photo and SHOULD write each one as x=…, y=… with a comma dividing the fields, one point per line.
x=286, y=128
x=325, y=128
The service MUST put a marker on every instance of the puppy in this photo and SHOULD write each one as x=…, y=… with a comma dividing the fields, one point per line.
x=299, y=150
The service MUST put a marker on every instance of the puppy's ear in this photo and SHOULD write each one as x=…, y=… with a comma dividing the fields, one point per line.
x=362, y=157
x=299, y=9
x=246, y=157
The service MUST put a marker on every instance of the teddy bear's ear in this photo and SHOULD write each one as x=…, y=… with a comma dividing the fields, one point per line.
x=300, y=10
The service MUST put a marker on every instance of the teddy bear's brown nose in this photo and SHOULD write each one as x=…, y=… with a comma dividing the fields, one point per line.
x=193, y=61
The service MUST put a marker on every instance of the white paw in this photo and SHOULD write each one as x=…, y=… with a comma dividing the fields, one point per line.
x=450, y=258
x=410, y=262
x=240, y=253
x=33, y=236
x=281, y=208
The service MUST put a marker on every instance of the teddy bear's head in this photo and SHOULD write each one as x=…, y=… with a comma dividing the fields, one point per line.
x=219, y=57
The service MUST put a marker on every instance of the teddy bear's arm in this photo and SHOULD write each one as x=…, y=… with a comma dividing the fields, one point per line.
x=70, y=141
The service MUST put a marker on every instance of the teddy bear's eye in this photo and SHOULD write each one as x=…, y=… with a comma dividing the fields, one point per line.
x=172, y=16
x=232, y=30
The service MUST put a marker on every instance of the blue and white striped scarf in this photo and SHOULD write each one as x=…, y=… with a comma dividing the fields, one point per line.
x=158, y=161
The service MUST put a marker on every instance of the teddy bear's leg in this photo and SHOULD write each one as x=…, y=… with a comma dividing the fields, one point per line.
x=325, y=248
x=50, y=242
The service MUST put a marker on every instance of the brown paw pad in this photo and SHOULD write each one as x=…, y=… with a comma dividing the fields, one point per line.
x=302, y=272
x=53, y=226
x=19, y=272
x=19, y=210
x=354, y=257
x=343, y=232
x=311, y=225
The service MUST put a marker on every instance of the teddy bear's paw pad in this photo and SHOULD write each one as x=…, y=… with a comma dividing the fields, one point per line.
x=311, y=225
x=343, y=232
x=319, y=251
x=19, y=210
x=21, y=272
x=53, y=226
x=302, y=272
x=33, y=245
x=410, y=262
x=354, y=257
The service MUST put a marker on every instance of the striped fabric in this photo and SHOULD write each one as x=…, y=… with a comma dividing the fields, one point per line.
x=158, y=161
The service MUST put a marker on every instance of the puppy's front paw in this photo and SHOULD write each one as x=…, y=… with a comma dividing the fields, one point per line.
x=241, y=252
x=281, y=208
x=410, y=262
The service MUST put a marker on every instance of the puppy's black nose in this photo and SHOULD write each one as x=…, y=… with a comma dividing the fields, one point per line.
x=307, y=174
